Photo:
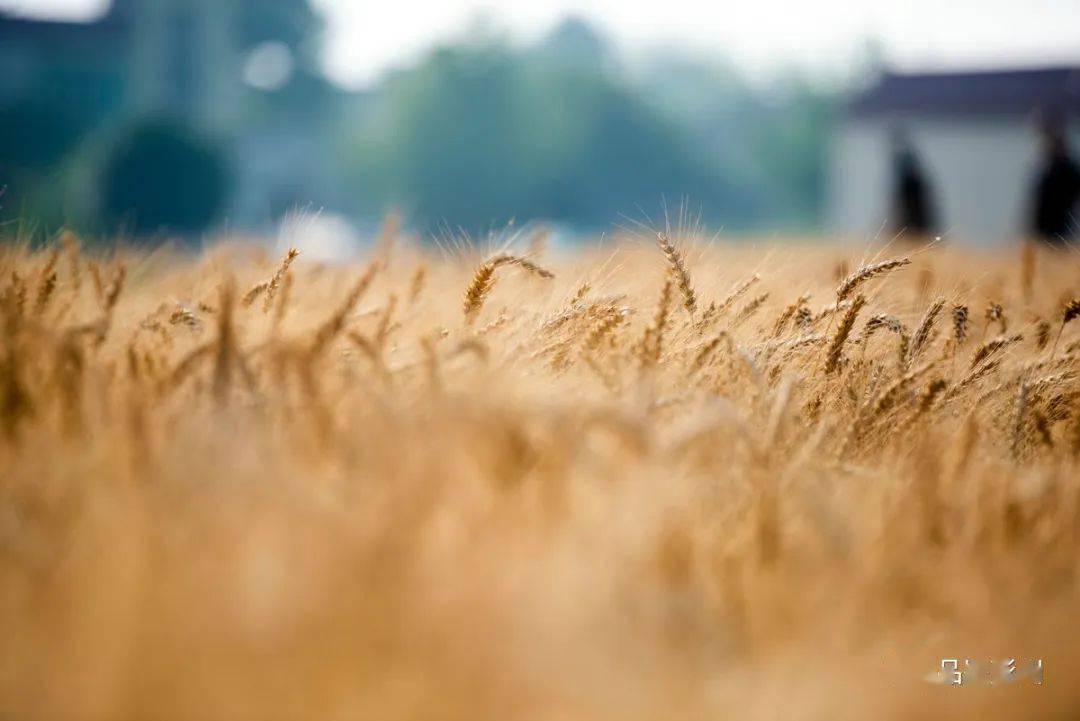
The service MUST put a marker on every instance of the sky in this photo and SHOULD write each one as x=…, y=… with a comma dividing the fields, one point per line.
x=366, y=38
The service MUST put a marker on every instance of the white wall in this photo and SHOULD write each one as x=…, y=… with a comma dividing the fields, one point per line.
x=980, y=172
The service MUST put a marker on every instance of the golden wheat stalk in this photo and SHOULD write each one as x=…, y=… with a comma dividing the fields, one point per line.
x=282, y=306
x=707, y=350
x=111, y=295
x=386, y=325
x=270, y=287
x=600, y=332
x=748, y=310
x=185, y=366
x=887, y=399
x=225, y=350
x=995, y=313
x=960, y=324
x=879, y=321
x=255, y=291
x=70, y=242
x=736, y=292
x=678, y=268
x=484, y=279
x=335, y=323
x=580, y=293
x=478, y=289
x=524, y=263
x=1019, y=426
x=373, y=352
x=787, y=314
x=96, y=280
x=926, y=327
x=927, y=399
x=651, y=345
x=866, y=273
x=992, y=346
x=973, y=376
x=1070, y=312
x=45, y=292
x=416, y=285
x=836, y=347
x=182, y=315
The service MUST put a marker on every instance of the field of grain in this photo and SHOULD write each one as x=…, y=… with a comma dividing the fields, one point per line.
x=654, y=479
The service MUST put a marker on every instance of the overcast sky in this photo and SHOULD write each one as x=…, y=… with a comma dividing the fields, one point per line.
x=366, y=37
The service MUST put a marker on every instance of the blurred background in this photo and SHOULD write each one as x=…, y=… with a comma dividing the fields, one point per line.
x=177, y=118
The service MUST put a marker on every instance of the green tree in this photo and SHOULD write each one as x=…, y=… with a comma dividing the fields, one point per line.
x=292, y=22
x=162, y=176
x=478, y=134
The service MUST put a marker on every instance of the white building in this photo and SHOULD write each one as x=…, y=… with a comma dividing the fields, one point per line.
x=975, y=136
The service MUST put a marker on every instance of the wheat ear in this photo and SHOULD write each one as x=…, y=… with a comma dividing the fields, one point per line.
x=832, y=358
x=678, y=269
x=1070, y=312
x=866, y=273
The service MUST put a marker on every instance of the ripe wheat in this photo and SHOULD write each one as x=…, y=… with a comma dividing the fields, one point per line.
x=374, y=496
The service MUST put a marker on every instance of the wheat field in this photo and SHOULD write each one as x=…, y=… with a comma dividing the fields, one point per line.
x=663, y=478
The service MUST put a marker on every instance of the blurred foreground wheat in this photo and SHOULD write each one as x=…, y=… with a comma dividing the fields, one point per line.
x=665, y=479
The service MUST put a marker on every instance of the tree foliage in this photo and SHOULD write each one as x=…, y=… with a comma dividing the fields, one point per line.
x=480, y=133
x=162, y=176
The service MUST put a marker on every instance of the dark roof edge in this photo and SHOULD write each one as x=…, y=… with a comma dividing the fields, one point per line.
x=991, y=93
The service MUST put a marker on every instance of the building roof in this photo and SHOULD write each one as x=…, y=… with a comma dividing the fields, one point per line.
x=999, y=92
